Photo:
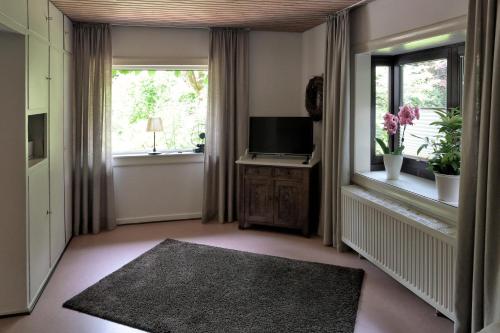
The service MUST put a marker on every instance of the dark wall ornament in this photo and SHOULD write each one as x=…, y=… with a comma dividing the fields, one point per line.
x=314, y=98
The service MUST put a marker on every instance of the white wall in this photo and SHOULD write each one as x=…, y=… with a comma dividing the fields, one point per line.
x=313, y=52
x=158, y=188
x=382, y=18
x=275, y=74
x=313, y=64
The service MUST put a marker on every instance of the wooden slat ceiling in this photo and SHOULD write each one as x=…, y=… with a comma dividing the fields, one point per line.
x=271, y=15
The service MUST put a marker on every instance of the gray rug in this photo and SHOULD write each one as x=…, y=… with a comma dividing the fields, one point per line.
x=183, y=287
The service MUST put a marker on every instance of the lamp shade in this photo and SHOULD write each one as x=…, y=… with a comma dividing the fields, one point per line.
x=155, y=124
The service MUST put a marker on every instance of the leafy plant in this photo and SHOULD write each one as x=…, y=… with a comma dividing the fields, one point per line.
x=386, y=150
x=446, y=146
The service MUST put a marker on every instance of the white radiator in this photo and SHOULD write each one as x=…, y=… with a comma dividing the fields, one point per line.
x=415, y=249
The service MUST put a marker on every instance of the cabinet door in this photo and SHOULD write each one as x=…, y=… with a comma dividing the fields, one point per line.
x=38, y=17
x=56, y=27
x=56, y=156
x=258, y=200
x=16, y=10
x=68, y=35
x=288, y=201
x=68, y=134
x=38, y=74
x=39, y=227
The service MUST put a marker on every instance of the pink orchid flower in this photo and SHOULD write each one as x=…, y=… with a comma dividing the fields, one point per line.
x=390, y=123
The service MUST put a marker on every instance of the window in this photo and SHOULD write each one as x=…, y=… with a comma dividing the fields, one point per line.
x=179, y=97
x=423, y=83
x=431, y=79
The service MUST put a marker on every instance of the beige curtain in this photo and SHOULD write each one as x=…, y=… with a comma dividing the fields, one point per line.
x=477, y=295
x=335, y=144
x=227, y=122
x=93, y=173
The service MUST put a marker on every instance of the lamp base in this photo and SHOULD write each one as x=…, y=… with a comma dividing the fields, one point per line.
x=154, y=153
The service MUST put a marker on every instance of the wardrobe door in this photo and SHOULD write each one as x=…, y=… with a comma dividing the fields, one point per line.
x=16, y=10
x=68, y=35
x=68, y=144
x=38, y=17
x=38, y=75
x=56, y=156
x=39, y=227
x=56, y=27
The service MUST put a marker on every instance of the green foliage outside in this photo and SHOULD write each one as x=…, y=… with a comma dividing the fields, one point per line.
x=178, y=97
x=425, y=83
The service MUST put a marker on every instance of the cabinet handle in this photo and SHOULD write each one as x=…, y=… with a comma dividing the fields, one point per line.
x=48, y=18
x=49, y=212
x=48, y=78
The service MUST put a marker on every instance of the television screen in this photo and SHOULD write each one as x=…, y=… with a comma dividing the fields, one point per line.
x=281, y=135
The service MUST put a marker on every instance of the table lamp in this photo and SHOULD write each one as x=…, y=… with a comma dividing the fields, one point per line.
x=155, y=124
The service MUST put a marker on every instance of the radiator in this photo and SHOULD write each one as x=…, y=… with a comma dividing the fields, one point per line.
x=415, y=249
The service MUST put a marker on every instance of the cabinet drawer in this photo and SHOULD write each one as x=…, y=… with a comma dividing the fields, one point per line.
x=258, y=171
x=289, y=173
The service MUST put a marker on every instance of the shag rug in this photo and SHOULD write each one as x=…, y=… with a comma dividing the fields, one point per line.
x=184, y=287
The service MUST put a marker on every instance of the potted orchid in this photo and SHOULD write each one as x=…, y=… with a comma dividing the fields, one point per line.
x=393, y=159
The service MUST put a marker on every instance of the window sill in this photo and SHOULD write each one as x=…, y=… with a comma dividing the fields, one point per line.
x=124, y=160
x=415, y=191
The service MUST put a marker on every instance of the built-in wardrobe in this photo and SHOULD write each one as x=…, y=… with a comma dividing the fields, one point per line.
x=35, y=148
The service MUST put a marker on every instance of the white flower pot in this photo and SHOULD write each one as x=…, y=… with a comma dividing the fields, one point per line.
x=447, y=187
x=393, y=164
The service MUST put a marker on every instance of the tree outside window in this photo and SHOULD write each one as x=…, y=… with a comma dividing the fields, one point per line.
x=179, y=97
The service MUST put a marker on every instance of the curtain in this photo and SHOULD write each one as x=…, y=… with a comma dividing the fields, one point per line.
x=335, y=143
x=227, y=122
x=93, y=173
x=477, y=293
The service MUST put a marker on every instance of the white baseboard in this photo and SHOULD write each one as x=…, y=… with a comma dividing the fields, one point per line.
x=14, y=312
x=157, y=218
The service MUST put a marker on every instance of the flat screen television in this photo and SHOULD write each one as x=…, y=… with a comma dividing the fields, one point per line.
x=281, y=135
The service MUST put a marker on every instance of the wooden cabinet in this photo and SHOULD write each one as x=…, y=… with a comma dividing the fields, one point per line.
x=17, y=10
x=38, y=75
x=289, y=199
x=259, y=203
x=56, y=156
x=39, y=228
x=279, y=196
x=38, y=17
x=56, y=27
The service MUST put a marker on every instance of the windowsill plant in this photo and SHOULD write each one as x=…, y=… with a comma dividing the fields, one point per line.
x=445, y=160
x=393, y=158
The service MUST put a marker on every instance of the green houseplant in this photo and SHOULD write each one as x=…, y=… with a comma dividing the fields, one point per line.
x=445, y=157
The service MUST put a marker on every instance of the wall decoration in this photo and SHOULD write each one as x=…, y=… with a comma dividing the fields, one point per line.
x=314, y=98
